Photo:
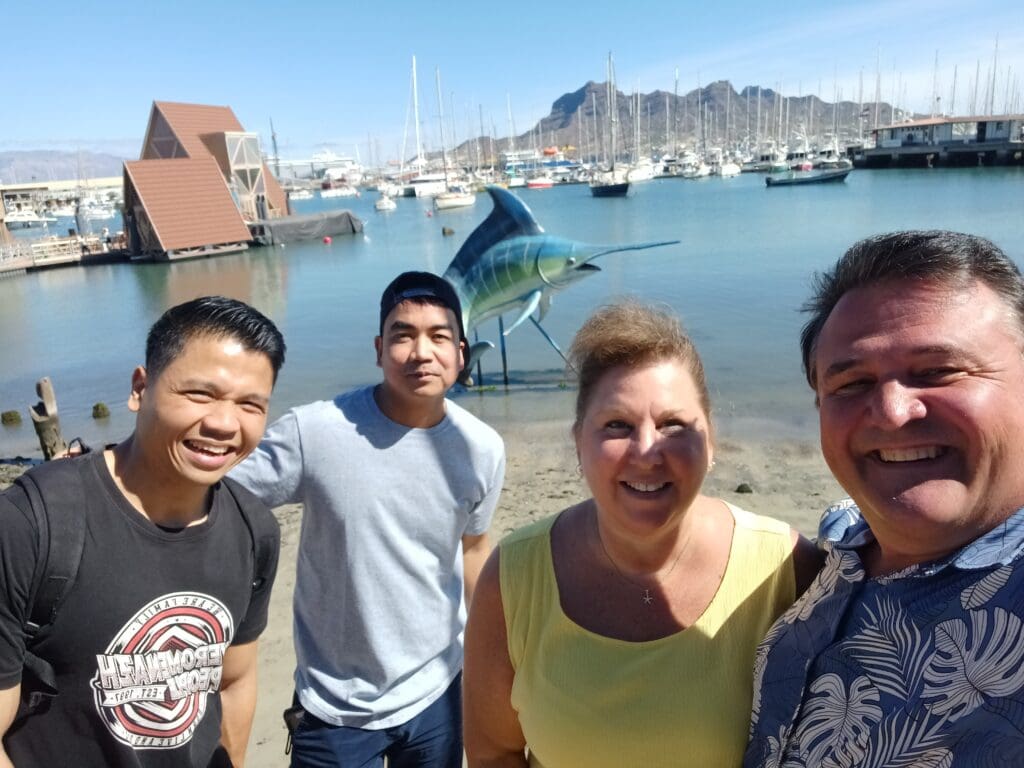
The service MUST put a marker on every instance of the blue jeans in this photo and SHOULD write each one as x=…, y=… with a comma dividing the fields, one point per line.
x=432, y=739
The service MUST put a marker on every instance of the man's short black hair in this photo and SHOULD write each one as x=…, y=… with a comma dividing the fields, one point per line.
x=424, y=287
x=936, y=255
x=215, y=317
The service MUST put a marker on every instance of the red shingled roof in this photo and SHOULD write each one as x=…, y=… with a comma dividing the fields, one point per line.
x=187, y=202
x=190, y=121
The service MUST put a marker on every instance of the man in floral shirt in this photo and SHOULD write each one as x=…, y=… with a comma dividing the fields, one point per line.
x=908, y=649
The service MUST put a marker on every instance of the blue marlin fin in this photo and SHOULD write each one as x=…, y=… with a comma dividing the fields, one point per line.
x=545, y=303
x=476, y=351
x=532, y=302
x=510, y=218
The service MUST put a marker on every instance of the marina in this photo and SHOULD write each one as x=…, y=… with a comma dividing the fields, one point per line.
x=738, y=278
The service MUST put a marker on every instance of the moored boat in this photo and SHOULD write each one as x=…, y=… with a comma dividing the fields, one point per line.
x=609, y=189
x=385, y=203
x=540, y=182
x=610, y=184
x=456, y=196
x=809, y=177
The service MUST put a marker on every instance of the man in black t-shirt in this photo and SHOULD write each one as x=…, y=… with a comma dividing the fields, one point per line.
x=154, y=646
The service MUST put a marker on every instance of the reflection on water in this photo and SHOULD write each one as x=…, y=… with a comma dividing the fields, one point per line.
x=737, y=279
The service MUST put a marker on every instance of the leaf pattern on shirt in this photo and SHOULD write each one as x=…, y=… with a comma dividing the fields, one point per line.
x=891, y=649
x=835, y=720
x=775, y=746
x=903, y=742
x=975, y=662
x=761, y=662
x=840, y=565
x=983, y=590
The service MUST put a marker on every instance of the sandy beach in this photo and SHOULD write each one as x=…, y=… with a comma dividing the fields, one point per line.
x=788, y=479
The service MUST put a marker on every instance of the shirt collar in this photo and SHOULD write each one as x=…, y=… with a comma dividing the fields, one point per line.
x=843, y=527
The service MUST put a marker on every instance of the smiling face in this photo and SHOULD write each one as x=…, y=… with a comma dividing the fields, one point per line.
x=644, y=446
x=203, y=413
x=920, y=388
x=421, y=355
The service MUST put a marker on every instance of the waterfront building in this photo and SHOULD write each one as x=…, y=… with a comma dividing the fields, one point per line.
x=971, y=141
x=199, y=182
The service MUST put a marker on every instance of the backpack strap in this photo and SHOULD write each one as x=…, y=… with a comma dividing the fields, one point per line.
x=263, y=528
x=56, y=494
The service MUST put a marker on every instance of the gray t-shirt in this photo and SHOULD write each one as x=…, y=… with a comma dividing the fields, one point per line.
x=379, y=609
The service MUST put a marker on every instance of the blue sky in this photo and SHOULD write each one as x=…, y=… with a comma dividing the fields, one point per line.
x=337, y=75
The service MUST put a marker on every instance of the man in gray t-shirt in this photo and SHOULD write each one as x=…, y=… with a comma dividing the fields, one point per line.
x=399, y=486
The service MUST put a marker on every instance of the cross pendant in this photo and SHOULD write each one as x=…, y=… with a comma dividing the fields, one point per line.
x=647, y=597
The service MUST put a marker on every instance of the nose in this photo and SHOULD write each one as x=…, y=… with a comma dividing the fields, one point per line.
x=647, y=445
x=896, y=404
x=221, y=418
x=421, y=347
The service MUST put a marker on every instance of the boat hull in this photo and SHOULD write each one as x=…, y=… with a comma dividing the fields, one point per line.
x=620, y=189
x=824, y=177
x=447, y=201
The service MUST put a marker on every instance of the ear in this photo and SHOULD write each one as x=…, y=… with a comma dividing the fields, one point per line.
x=378, y=345
x=138, y=387
x=462, y=354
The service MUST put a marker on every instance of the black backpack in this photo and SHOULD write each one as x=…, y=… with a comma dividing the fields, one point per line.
x=56, y=493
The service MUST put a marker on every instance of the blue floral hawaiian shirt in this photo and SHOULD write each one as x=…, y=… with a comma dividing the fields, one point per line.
x=924, y=667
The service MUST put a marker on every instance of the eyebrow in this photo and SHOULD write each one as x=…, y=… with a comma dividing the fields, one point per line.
x=845, y=364
x=213, y=387
x=401, y=325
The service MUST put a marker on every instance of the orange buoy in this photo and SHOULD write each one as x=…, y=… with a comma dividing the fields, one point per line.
x=327, y=240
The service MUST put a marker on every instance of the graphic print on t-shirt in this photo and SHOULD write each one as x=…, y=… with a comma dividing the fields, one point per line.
x=152, y=683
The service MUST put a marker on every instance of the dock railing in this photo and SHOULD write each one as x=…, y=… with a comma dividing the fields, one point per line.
x=40, y=254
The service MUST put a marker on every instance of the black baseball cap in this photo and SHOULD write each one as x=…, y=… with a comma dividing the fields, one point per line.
x=417, y=285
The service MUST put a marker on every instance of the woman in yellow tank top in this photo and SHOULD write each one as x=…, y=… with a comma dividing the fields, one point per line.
x=621, y=632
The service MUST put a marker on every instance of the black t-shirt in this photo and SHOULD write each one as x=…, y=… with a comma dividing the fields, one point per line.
x=138, y=643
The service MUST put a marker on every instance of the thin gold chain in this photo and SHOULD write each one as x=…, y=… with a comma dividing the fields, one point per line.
x=647, y=597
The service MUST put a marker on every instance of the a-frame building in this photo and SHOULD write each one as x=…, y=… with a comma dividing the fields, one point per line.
x=198, y=183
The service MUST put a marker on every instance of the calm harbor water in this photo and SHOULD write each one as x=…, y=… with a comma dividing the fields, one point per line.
x=737, y=278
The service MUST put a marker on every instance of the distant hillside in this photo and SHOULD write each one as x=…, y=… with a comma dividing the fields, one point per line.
x=52, y=165
x=716, y=114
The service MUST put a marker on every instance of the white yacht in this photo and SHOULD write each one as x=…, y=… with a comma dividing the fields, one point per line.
x=385, y=203
x=456, y=196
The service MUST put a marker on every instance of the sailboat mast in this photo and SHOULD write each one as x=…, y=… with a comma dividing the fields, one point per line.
x=440, y=120
x=612, y=109
x=416, y=117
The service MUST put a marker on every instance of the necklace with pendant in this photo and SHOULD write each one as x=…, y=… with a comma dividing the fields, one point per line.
x=647, y=597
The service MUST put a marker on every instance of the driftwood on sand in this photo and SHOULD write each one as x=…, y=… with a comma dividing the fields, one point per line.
x=46, y=421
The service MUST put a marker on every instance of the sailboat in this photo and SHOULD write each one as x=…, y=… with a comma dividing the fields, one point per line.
x=610, y=184
x=423, y=184
x=454, y=195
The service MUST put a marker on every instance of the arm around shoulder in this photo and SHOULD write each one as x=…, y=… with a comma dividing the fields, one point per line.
x=273, y=471
x=807, y=561
x=493, y=736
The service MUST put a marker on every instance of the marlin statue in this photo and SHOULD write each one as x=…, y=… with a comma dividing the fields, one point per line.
x=508, y=264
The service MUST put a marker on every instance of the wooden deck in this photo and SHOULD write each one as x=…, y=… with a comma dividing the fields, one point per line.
x=27, y=256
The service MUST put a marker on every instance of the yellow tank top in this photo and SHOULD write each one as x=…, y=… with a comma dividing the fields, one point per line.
x=588, y=701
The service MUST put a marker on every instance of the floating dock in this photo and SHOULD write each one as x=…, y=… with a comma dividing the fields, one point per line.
x=309, y=226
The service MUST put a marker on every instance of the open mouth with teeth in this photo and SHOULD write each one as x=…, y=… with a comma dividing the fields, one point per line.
x=206, y=449
x=645, y=487
x=905, y=455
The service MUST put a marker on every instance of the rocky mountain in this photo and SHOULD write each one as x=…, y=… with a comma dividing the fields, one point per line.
x=21, y=167
x=716, y=115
